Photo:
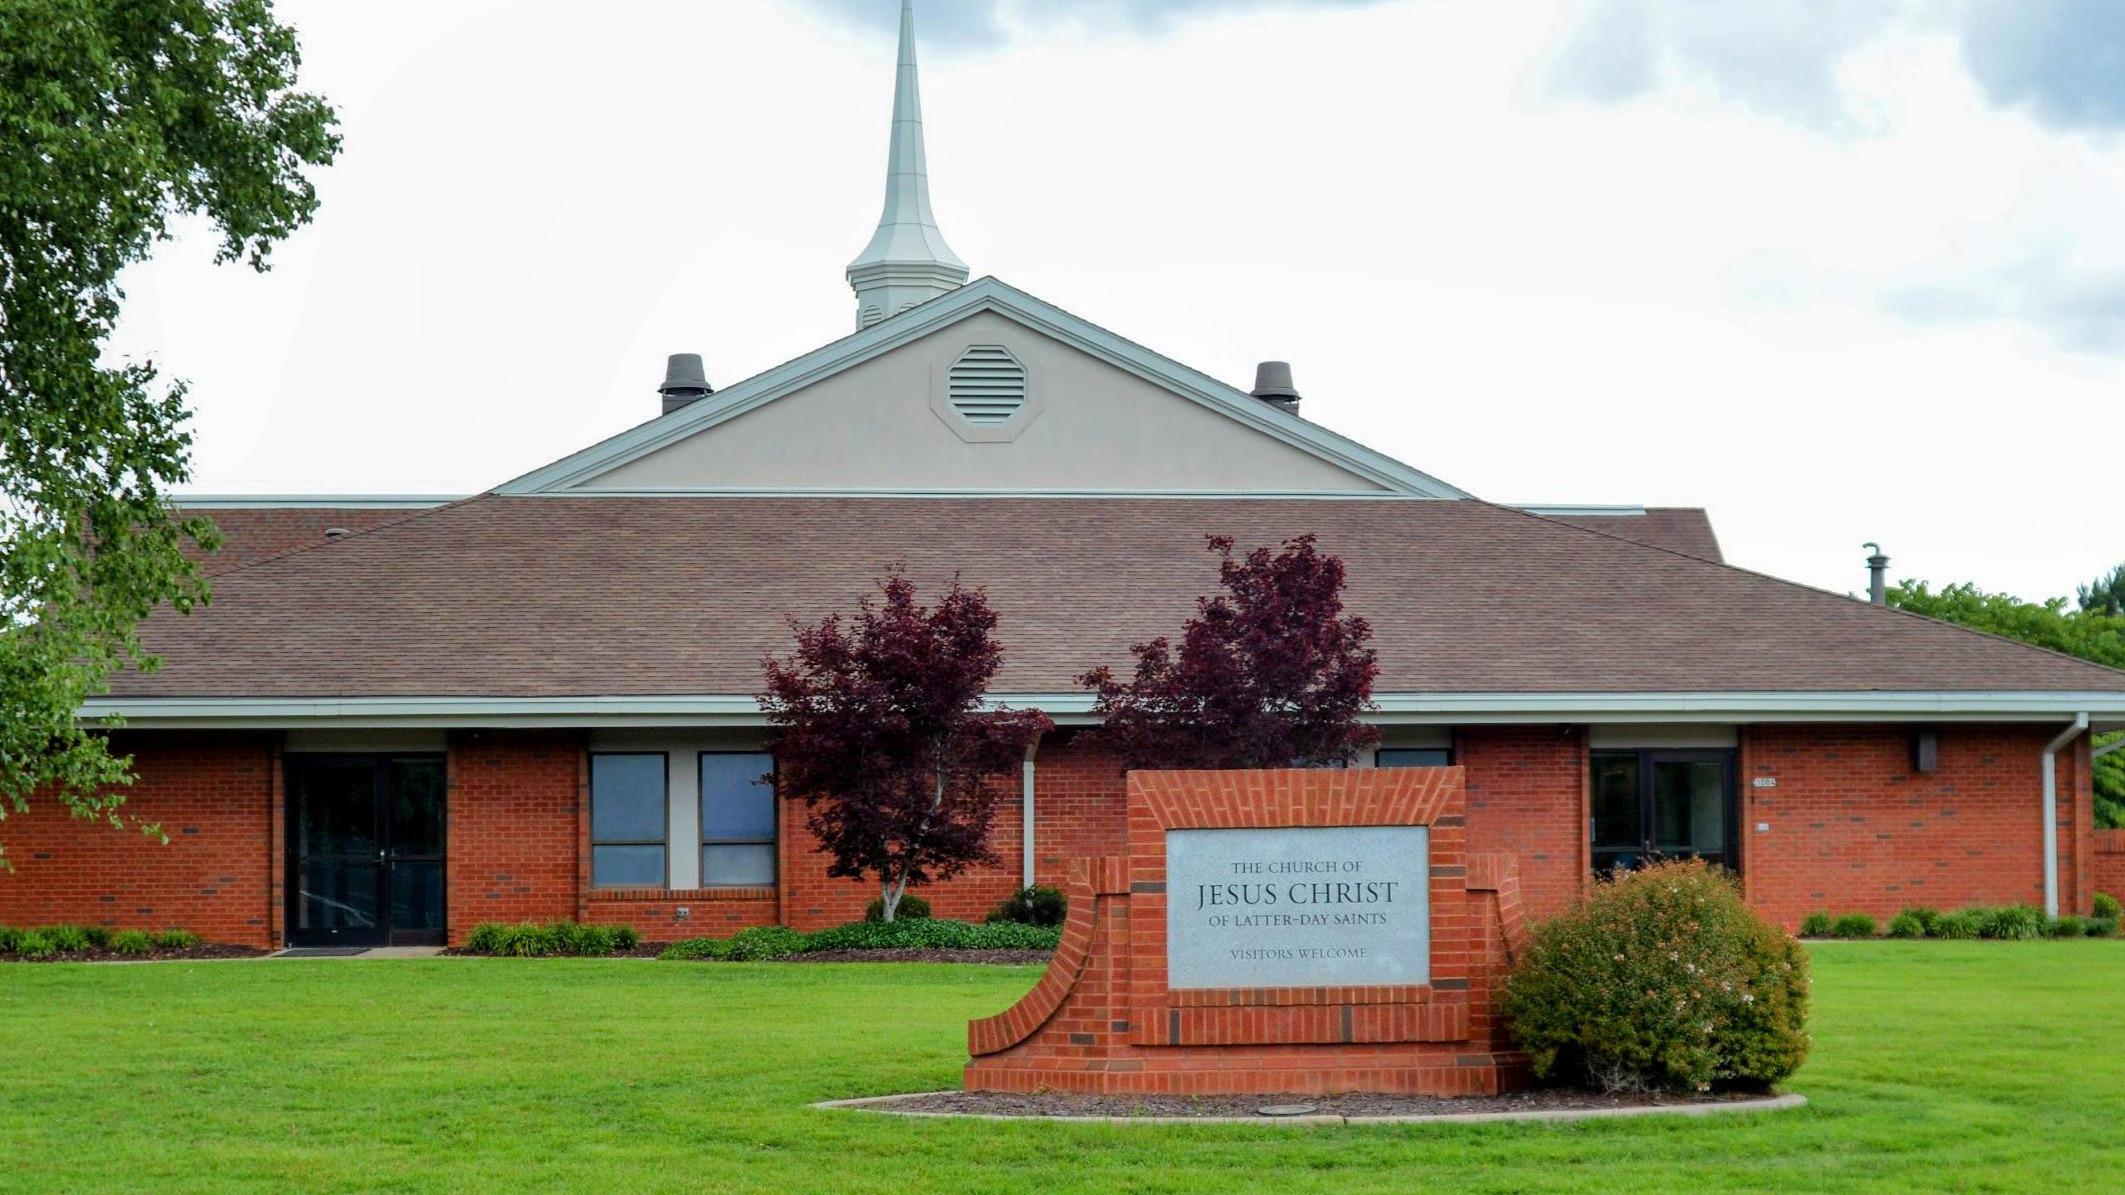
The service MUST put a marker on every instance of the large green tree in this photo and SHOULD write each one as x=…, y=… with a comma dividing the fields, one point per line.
x=2106, y=594
x=2090, y=634
x=117, y=118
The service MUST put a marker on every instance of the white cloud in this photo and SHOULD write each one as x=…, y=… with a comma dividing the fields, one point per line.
x=992, y=23
x=1671, y=301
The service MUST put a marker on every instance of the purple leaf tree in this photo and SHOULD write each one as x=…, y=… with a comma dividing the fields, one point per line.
x=1270, y=673
x=877, y=726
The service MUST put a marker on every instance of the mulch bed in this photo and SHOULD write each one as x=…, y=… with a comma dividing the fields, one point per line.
x=152, y=956
x=645, y=950
x=1061, y=1104
x=1010, y=958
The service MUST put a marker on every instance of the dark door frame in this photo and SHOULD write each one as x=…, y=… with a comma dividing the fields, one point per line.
x=379, y=763
x=1730, y=797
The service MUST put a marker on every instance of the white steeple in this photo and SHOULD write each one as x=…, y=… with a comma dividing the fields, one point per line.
x=907, y=261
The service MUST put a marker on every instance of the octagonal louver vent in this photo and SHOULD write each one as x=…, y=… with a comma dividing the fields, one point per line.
x=988, y=385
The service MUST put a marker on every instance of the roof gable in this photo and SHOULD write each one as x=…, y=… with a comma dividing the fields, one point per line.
x=1217, y=439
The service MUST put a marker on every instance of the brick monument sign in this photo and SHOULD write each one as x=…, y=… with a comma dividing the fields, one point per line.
x=1273, y=931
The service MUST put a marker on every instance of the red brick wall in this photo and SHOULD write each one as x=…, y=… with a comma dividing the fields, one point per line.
x=1852, y=828
x=214, y=795
x=813, y=900
x=1527, y=797
x=709, y=912
x=2107, y=862
x=516, y=828
x=1080, y=806
x=1079, y=812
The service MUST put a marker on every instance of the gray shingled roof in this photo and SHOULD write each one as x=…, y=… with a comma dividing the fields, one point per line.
x=1684, y=529
x=503, y=597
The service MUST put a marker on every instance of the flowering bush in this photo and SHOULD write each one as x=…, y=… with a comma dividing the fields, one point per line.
x=1661, y=980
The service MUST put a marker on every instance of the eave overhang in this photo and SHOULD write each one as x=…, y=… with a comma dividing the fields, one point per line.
x=2106, y=710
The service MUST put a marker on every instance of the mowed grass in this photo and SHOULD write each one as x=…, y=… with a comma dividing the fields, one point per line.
x=1973, y=1066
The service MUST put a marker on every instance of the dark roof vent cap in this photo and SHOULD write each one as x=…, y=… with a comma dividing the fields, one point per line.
x=684, y=381
x=1272, y=384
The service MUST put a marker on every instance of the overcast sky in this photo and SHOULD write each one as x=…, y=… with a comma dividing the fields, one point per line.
x=1838, y=270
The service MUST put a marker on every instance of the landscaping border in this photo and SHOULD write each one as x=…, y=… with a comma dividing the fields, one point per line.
x=881, y=1105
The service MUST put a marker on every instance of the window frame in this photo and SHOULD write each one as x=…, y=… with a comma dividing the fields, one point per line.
x=773, y=842
x=664, y=808
x=1729, y=759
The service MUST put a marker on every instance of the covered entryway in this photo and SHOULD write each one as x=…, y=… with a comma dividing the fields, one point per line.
x=365, y=850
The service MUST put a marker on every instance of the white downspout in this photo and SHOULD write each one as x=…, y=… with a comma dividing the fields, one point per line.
x=2051, y=811
x=1026, y=801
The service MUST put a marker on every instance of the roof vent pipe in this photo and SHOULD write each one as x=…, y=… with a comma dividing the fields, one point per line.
x=1272, y=384
x=1877, y=575
x=684, y=381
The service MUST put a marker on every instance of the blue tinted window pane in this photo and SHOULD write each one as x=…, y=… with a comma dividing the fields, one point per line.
x=627, y=866
x=627, y=798
x=737, y=798
x=738, y=866
x=1413, y=757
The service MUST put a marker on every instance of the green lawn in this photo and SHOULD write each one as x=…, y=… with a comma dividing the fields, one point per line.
x=1951, y=1066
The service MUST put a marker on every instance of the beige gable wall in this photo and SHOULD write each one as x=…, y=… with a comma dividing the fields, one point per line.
x=1088, y=426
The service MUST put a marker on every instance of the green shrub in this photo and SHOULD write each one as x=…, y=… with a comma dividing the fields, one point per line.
x=1037, y=905
x=911, y=908
x=934, y=935
x=32, y=943
x=2106, y=905
x=1961, y=925
x=1815, y=925
x=1926, y=918
x=2102, y=927
x=1906, y=925
x=9, y=938
x=177, y=939
x=132, y=942
x=559, y=938
x=697, y=949
x=1661, y=979
x=2012, y=923
x=2068, y=926
x=68, y=939
x=764, y=942
x=1853, y=925
x=774, y=942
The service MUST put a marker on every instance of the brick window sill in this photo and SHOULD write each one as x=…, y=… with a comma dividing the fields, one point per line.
x=694, y=894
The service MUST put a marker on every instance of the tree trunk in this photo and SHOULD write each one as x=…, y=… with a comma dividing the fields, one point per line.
x=889, y=894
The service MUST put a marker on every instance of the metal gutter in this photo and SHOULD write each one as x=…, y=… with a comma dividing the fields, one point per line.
x=313, y=501
x=1026, y=803
x=2104, y=709
x=2051, y=811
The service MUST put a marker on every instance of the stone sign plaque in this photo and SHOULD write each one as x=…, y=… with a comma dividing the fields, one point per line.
x=1298, y=907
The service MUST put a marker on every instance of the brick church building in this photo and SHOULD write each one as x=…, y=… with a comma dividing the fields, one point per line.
x=400, y=718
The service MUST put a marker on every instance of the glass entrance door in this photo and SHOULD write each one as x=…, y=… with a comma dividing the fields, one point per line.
x=1649, y=805
x=365, y=850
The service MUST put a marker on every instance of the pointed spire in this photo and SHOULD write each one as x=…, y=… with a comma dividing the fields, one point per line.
x=907, y=261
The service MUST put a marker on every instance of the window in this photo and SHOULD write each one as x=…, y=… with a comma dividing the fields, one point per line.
x=1650, y=805
x=737, y=820
x=1413, y=757
x=627, y=821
